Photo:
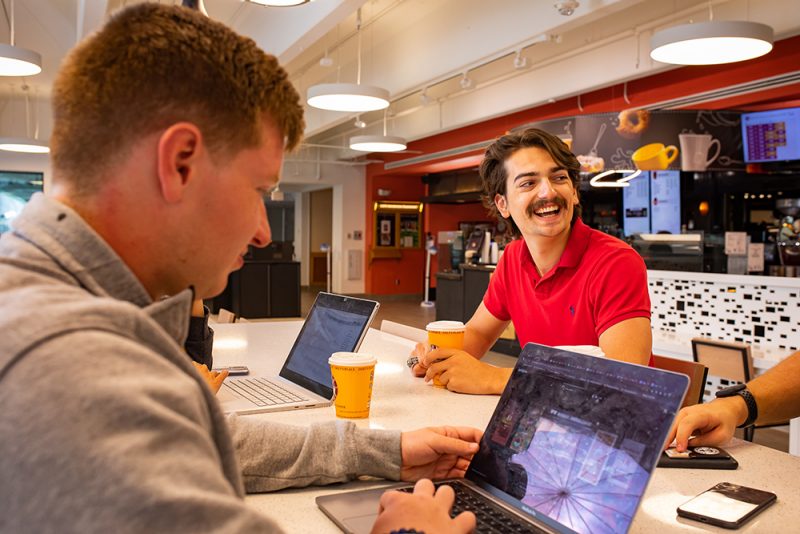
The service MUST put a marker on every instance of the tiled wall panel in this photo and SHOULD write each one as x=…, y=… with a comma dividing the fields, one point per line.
x=761, y=310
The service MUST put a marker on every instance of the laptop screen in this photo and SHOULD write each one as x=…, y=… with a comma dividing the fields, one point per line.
x=574, y=438
x=336, y=323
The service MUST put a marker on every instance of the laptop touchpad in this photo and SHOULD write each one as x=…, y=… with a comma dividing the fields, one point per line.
x=361, y=524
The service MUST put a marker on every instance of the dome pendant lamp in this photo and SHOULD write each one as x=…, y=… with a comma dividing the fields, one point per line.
x=16, y=61
x=711, y=43
x=349, y=97
x=378, y=143
x=26, y=145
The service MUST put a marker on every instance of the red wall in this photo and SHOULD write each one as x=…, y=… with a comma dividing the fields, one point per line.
x=675, y=83
x=389, y=276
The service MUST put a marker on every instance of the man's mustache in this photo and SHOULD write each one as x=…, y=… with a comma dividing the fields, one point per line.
x=538, y=204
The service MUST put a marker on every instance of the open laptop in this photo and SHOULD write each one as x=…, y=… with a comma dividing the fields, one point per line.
x=570, y=448
x=336, y=323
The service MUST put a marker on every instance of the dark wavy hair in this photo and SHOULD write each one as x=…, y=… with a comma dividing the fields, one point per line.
x=493, y=172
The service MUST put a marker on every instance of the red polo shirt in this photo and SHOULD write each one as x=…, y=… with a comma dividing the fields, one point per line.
x=598, y=282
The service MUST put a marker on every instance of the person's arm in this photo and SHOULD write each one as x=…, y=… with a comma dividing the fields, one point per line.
x=275, y=456
x=777, y=395
x=630, y=340
x=461, y=370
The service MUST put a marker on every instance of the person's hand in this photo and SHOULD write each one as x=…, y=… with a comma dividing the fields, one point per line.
x=420, y=350
x=426, y=510
x=710, y=424
x=214, y=379
x=458, y=370
x=437, y=452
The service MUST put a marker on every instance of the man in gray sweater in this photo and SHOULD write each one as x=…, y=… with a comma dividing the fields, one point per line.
x=169, y=129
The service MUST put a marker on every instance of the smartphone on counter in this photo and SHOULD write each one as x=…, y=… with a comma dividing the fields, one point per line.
x=234, y=370
x=698, y=458
x=727, y=505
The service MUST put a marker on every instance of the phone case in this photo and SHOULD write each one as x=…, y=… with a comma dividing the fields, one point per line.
x=701, y=458
x=762, y=498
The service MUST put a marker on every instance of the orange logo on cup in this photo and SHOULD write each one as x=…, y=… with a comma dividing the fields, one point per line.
x=445, y=334
x=654, y=157
x=353, y=375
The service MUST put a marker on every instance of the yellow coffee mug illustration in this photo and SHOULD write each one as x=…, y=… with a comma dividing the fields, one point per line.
x=654, y=157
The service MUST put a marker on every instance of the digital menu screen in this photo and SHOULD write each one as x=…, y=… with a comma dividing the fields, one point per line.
x=771, y=135
x=636, y=205
x=665, y=202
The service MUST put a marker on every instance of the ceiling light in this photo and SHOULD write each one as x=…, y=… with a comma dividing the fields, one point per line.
x=277, y=194
x=22, y=144
x=711, y=43
x=378, y=143
x=279, y=3
x=567, y=8
x=16, y=61
x=349, y=97
x=620, y=182
x=466, y=82
x=359, y=123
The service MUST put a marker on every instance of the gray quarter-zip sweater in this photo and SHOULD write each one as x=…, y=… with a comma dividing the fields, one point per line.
x=104, y=424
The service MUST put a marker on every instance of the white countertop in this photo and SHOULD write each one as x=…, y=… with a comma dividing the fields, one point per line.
x=401, y=401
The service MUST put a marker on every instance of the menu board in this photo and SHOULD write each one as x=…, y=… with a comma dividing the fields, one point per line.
x=771, y=135
x=636, y=206
x=665, y=202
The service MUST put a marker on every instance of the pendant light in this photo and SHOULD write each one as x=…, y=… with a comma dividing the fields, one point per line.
x=16, y=61
x=378, y=143
x=349, y=97
x=25, y=145
x=711, y=43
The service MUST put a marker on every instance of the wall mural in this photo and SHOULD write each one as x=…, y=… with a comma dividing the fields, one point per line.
x=652, y=140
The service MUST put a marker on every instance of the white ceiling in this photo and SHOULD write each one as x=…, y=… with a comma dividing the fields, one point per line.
x=409, y=45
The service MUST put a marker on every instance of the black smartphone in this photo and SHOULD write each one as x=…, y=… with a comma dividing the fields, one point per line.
x=698, y=458
x=727, y=505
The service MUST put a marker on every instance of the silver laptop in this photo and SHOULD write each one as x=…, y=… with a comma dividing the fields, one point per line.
x=336, y=323
x=570, y=448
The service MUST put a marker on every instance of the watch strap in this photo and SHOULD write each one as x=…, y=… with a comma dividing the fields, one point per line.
x=752, y=408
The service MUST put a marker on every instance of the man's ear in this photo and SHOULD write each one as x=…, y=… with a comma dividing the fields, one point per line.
x=180, y=151
x=502, y=206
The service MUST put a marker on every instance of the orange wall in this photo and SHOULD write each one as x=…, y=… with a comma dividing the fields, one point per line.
x=389, y=276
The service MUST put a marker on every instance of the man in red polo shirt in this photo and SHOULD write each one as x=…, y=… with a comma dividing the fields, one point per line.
x=562, y=283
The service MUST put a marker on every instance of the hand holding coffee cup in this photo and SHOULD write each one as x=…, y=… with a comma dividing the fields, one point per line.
x=445, y=334
x=353, y=375
x=654, y=157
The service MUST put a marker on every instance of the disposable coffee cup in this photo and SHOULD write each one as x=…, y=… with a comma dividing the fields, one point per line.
x=445, y=334
x=353, y=375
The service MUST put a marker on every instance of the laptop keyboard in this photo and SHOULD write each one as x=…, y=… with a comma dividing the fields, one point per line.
x=490, y=517
x=263, y=392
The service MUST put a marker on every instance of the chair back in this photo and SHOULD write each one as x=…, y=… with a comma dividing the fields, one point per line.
x=401, y=330
x=695, y=371
x=724, y=359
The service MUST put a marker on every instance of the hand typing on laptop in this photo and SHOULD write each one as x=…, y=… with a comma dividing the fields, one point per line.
x=428, y=509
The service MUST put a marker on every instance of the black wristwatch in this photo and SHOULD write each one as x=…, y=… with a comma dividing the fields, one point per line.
x=749, y=400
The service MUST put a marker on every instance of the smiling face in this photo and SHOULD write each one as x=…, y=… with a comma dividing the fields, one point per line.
x=539, y=197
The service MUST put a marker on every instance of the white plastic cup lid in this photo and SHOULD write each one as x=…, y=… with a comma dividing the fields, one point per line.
x=445, y=326
x=352, y=359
